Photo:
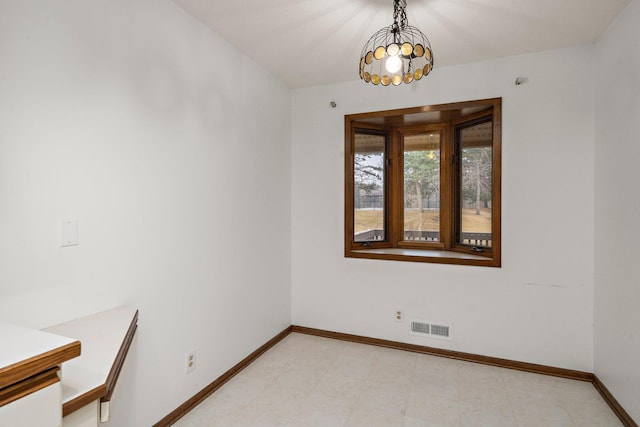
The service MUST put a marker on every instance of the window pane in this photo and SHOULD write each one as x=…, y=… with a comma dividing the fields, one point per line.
x=422, y=187
x=369, y=197
x=475, y=144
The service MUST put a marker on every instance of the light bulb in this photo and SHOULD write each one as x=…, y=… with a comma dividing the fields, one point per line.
x=393, y=64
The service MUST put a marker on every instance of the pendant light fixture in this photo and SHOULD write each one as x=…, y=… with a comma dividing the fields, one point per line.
x=397, y=53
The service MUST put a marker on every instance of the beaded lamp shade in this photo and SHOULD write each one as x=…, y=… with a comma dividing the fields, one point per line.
x=399, y=53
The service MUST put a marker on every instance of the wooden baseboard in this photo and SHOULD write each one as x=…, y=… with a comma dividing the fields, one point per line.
x=468, y=357
x=183, y=409
x=624, y=417
x=187, y=406
x=613, y=403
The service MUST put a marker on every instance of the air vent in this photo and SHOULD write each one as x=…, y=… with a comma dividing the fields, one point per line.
x=420, y=328
x=439, y=330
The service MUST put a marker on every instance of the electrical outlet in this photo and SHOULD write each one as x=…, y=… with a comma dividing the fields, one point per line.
x=189, y=361
x=399, y=315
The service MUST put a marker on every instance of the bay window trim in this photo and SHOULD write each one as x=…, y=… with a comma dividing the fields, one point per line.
x=397, y=124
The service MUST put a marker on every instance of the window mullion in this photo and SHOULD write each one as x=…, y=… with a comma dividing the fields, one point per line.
x=447, y=186
x=396, y=190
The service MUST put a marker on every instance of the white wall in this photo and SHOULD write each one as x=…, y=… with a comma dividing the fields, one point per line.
x=123, y=114
x=539, y=306
x=617, y=278
x=173, y=152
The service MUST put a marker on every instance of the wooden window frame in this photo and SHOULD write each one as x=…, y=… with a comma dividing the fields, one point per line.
x=396, y=124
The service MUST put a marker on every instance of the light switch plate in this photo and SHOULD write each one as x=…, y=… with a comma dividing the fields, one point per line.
x=69, y=232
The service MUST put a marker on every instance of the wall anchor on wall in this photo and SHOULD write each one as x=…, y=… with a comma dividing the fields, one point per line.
x=333, y=104
x=521, y=80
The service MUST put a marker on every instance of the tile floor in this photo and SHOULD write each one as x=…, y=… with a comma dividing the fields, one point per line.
x=307, y=381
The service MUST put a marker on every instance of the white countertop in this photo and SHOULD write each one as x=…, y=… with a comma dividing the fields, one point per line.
x=101, y=336
x=18, y=343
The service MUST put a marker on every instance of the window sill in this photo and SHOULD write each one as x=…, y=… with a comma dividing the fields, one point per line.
x=421, y=255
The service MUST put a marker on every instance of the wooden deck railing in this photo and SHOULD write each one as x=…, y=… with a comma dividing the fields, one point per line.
x=478, y=239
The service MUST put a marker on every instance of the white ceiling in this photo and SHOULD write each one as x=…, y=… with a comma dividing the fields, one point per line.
x=314, y=42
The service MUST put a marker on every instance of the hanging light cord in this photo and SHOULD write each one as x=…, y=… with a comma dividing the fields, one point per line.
x=400, y=14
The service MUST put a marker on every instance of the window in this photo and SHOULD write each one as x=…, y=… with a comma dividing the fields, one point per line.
x=423, y=184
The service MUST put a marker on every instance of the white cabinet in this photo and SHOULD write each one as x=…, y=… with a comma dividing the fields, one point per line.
x=30, y=389
x=33, y=390
x=87, y=416
x=41, y=409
